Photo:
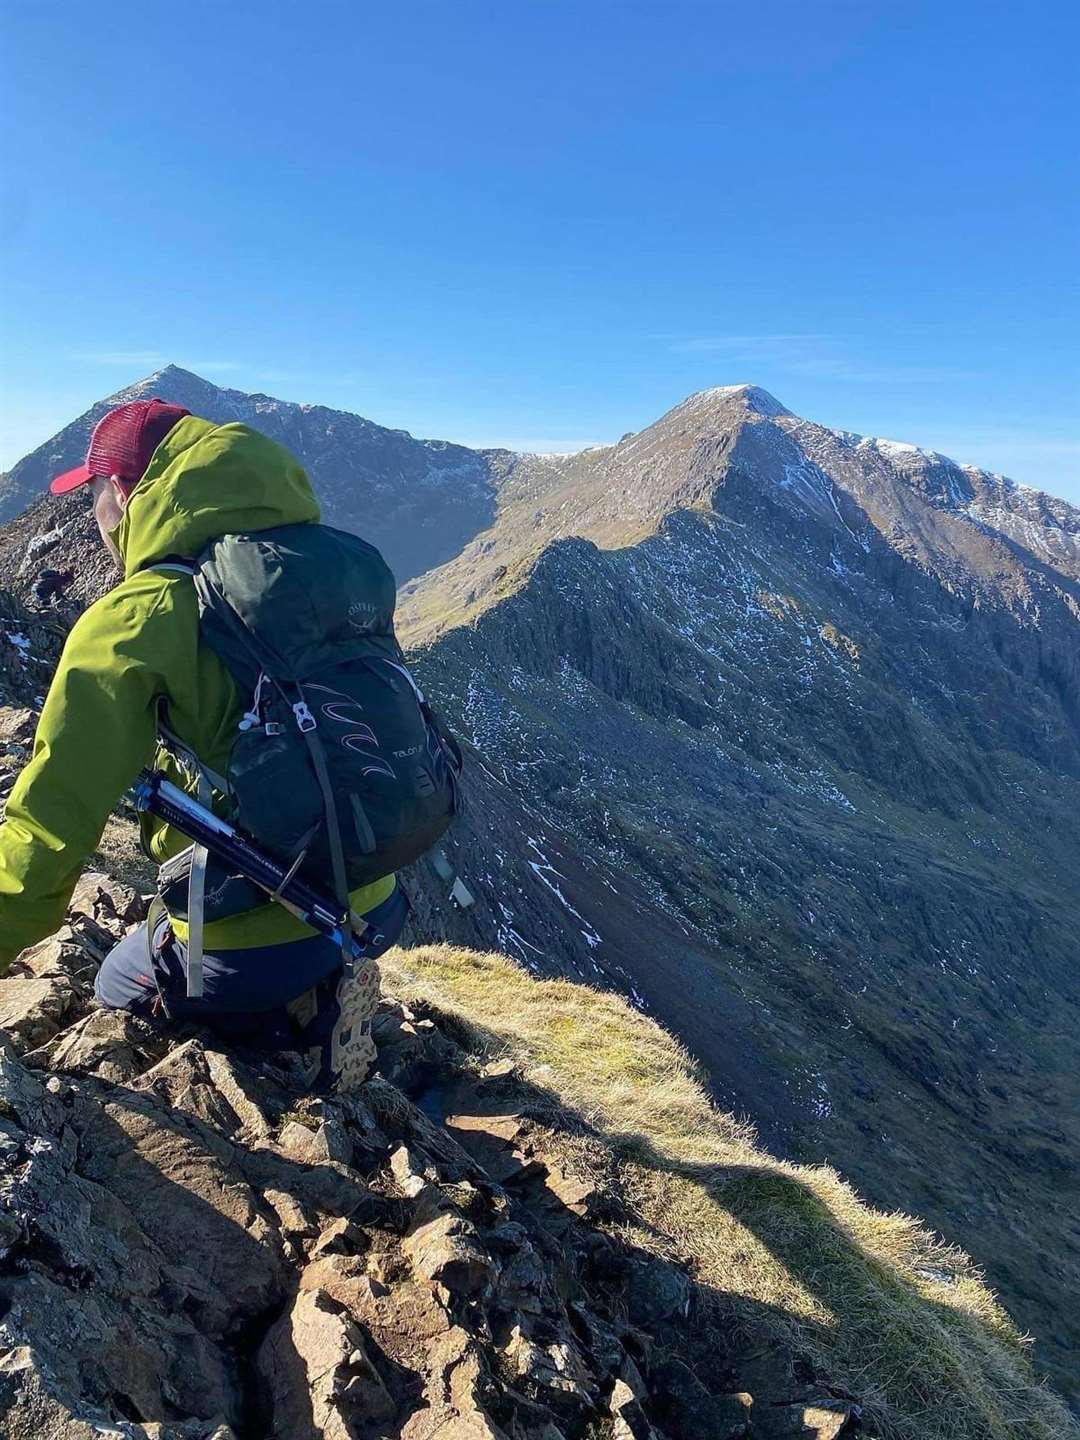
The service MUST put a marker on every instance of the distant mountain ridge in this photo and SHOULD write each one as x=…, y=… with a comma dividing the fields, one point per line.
x=419, y=500
x=775, y=729
x=360, y=468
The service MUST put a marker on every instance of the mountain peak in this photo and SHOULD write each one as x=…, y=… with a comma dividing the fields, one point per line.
x=175, y=376
x=755, y=399
x=175, y=372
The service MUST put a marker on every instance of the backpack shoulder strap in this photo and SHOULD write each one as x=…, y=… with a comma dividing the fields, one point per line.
x=185, y=756
x=179, y=564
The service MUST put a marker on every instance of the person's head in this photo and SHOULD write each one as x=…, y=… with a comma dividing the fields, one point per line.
x=121, y=448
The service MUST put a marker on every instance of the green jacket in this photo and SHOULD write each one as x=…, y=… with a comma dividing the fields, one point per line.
x=137, y=643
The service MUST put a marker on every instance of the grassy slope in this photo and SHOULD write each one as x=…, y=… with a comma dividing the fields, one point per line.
x=876, y=1301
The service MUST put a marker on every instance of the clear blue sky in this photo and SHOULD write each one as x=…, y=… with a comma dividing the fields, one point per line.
x=541, y=224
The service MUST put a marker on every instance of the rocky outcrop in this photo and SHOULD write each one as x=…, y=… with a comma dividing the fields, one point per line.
x=31, y=638
x=192, y=1246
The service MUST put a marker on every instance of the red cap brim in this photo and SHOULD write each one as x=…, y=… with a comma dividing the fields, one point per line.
x=70, y=480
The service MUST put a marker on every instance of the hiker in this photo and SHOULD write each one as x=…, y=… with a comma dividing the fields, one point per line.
x=136, y=675
x=50, y=585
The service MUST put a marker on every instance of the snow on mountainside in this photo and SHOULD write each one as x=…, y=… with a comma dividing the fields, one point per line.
x=977, y=533
x=1046, y=526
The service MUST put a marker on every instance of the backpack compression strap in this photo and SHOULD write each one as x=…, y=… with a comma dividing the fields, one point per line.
x=307, y=726
x=180, y=564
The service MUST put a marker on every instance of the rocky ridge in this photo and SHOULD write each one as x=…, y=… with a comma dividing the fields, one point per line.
x=774, y=730
x=186, y=1236
x=793, y=689
x=191, y=1248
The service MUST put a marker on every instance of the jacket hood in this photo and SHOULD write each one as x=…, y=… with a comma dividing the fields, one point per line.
x=208, y=480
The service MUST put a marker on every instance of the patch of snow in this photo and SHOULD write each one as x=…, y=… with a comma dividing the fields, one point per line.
x=894, y=447
x=39, y=545
x=757, y=399
x=542, y=868
x=507, y=936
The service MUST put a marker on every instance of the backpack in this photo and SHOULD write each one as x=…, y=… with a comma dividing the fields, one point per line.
x=340, y=769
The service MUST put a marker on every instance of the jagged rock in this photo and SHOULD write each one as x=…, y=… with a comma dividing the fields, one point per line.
x=297, y=1220
x=685, y=1408
x=204, y=1083
x=298, y=1140
x=321, y=1379
x=29, y=1412
x=655, y=1291
x=572, y=1191
x=61, y=955
x=798, y=1421
x=502, y=1127
x=444, y=1250
x=410, y=1051
x=407, y=1171
x=404, y=1317
x=554, y=1372
x=341, y=1237
x=447, y=1424
x=629, y=1420
x=523, y=1279
x=33, y=1009
x=731, y=1415
x=490, y=1137
x=830, y=1422
x=332, y=1141
x=185, y=1235
x=17, y=725
x=108, y=1043
x=454, y=1394
x=327, y=1141
x=108, y=901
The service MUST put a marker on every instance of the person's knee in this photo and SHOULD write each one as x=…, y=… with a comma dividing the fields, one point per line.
x=124, y=981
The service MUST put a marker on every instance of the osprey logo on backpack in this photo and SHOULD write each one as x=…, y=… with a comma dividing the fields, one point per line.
x=340, y=766
x=363, y=616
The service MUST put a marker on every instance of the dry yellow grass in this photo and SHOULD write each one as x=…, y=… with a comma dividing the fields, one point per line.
x=881, y=1305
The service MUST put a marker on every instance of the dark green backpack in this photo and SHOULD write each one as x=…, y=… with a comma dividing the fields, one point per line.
x=340, y=768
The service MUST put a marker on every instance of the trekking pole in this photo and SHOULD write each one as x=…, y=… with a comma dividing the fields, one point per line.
x=156, y=795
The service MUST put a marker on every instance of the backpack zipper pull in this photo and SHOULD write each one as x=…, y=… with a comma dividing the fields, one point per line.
x=253, y=717
x=305, y=720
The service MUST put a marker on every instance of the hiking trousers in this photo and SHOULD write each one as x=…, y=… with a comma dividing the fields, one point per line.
x=245, y=992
